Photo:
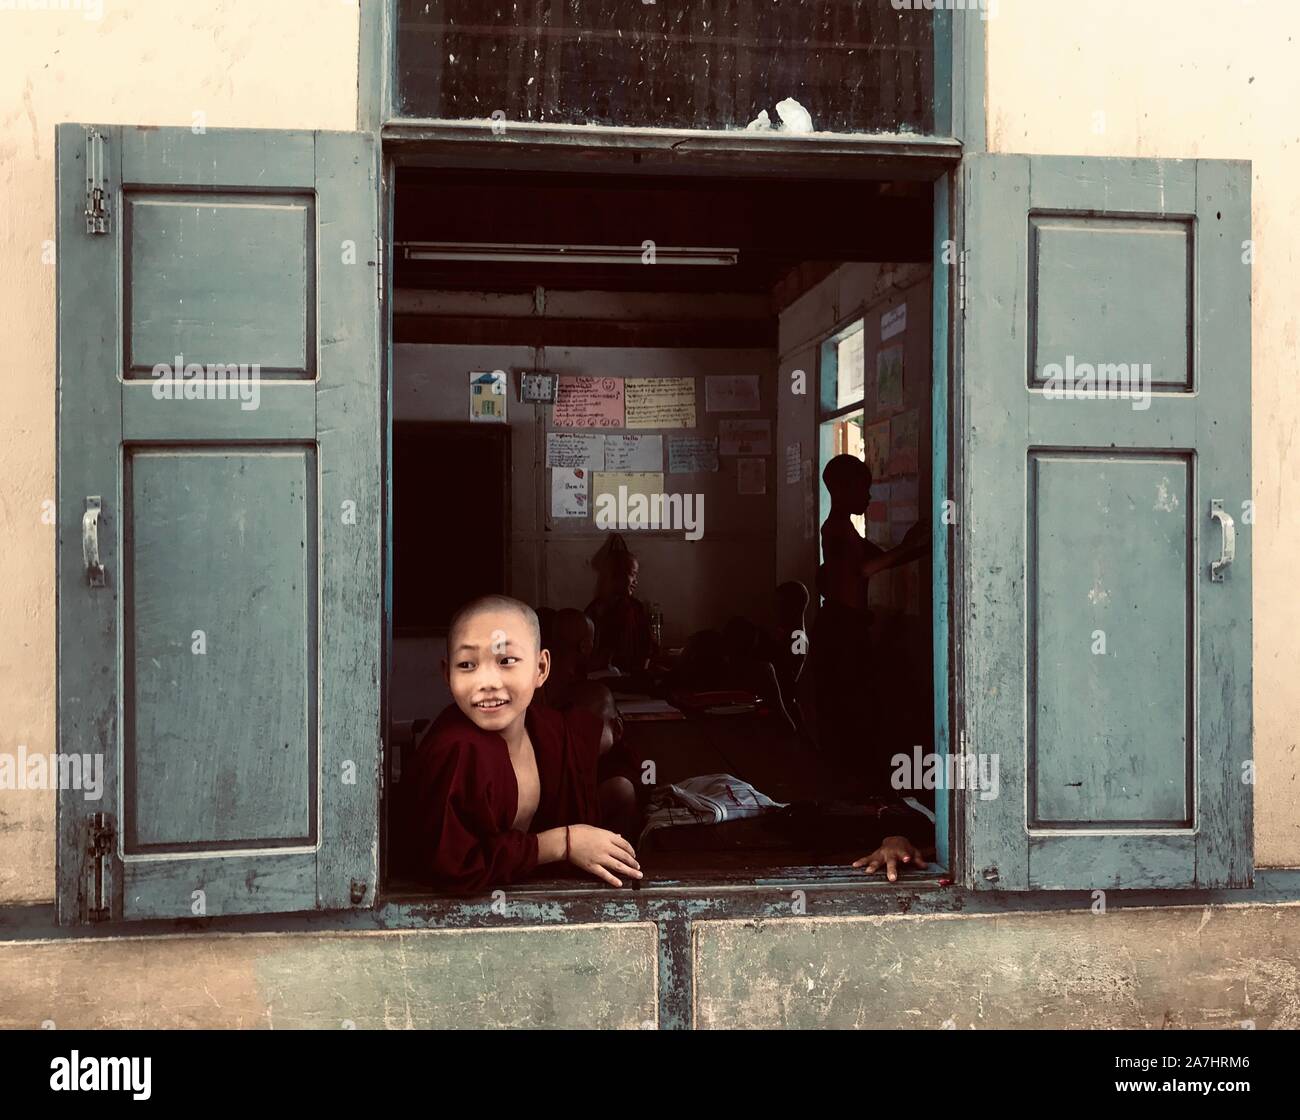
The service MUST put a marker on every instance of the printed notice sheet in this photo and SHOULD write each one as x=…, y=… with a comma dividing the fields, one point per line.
x=688, y=454
x=751, y=476
x=737, y=393
x=660, y=402
x=575, y=449
x=633, y=453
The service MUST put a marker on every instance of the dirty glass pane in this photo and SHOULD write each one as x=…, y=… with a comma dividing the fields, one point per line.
x=853, y=65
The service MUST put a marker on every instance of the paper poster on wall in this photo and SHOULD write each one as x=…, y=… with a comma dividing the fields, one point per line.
x=644, y=482
x=633, y=453
x=751, y=476
x=893, y=322
x=745, y=437
x=589, y=402
x=905, y=443
x=736, y=393
x=660, y=402
x=574, y=449
x=487, y=396
x=889, y=378
x=569, y=492
x=876, y=450
x=792, y=452
x=809, y=500
x=689, y=454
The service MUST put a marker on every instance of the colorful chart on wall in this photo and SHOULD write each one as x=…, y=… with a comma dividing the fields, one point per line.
x=904, y=443
x=589, y=402
x=889, y=378
x=876, y=439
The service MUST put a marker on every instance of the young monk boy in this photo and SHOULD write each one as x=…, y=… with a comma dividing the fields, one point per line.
x=498, y=785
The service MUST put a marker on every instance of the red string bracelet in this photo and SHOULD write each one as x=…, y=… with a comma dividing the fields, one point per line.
x=566, y=843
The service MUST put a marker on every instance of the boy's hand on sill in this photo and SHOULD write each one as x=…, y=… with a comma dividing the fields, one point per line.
x=600, y=853
x=893, y=850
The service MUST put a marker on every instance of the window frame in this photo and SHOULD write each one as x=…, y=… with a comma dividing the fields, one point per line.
x=959, y=84
x=959, y=79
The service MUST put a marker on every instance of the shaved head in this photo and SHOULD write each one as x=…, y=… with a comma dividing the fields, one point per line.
x=494, y=603
x=594, y=697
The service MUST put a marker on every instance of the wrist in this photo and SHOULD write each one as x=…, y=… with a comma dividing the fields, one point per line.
x=550, y=845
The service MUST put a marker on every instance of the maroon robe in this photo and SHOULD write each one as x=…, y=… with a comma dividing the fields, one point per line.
x=459, y=796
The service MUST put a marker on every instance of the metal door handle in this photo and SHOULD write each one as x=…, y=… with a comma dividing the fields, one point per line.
x=90, y=542
x=1228, y=541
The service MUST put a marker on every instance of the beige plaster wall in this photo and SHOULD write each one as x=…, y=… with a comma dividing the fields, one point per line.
x=1174, y=78
x=240, y=63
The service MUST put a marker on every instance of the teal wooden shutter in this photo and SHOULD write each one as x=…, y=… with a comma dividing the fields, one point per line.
x=1105, y=665
x=223, y=663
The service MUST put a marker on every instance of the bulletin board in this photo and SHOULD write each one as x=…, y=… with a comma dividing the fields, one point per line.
x=689, y=431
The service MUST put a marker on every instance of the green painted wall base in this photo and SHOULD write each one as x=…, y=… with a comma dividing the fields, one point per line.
x=1211, y=966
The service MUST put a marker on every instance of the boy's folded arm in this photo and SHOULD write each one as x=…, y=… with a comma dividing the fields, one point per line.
x=489, y=861
x=456, y=845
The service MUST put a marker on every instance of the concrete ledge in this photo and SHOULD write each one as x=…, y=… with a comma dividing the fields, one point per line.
x=574, y=976
x=1203, y=966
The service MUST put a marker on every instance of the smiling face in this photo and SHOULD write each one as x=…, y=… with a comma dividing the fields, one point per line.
x=494, y=666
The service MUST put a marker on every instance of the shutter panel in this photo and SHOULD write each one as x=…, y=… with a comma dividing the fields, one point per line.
x=227, y=670
x=1104, y=666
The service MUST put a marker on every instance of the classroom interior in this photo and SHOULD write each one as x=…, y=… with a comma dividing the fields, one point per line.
x=799, y=314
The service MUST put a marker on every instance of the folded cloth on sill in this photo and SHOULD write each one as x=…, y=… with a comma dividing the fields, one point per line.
x=707, y=799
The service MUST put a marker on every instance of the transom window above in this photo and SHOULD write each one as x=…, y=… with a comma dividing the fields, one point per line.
x=812, y=65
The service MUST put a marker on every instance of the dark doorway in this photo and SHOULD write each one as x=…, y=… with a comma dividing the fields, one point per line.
x=447, y=474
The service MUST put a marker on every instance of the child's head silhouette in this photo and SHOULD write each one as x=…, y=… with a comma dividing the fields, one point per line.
x=848, y=479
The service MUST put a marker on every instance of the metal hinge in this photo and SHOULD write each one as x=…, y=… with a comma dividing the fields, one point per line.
x=99, y=867
x=96, y=182
x=378, y=262
x=961, y=280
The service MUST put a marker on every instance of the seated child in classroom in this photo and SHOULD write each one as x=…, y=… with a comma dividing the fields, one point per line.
x=617, y=770
x=623, y=635
x=573, y=638
x=498, y=786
